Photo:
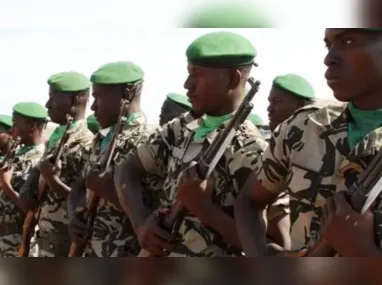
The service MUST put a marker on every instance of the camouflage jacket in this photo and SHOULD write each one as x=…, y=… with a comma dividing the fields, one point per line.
x=113, y=235
x=22, y=166
x=153, y=183
x=54, y=215
x=310, y=157
x=170, y=150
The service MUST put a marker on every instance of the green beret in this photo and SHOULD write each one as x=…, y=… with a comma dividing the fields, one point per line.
x=93, y=124
x=295, y=84
x=6, y=120
x=255, y=119
x=180, y=99
x=221, y=49
x=69, y=82
x=117, y=73
x=31, y=110
x=227, y=15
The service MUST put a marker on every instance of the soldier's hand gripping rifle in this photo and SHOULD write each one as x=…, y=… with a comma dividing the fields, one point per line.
x=33, y=215
x=5, y=145
x=8, y=160
x=172, y=220
x=361, y=195
x=10, y=155
x=89, y=213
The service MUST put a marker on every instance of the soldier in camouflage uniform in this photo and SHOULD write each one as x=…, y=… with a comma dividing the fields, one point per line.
x=5, y=126
x=217, y=71
x=289, y=93
x=69, y=94
x=174, y=106
x=29, y=121
x=112, y=234
x=259, y=123
x=318, y=153
x=5, y=123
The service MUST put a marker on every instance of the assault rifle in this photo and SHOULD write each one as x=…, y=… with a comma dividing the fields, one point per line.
x=32, y=216
x=209, y=159
x=361, y=195
x=90, y=211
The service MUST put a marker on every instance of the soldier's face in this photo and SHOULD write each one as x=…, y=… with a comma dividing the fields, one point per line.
x=106, y=105
x=354, y=62
x=4, y=143
x=59, y=105
x=169, y=111
x=207, y=89
x=4, y=129
x=22, y=127
x=281, y=106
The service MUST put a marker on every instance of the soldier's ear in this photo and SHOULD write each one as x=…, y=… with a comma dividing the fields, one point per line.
x=130, y=91
x=75, y=100
x=234, y=79
x=39, y=125
x=32, y=127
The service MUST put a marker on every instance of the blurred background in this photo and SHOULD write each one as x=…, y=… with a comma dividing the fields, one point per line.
x=204, y=271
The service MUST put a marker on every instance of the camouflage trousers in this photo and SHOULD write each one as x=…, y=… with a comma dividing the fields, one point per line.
x=212, y=250
x=53, y=245
x=112, y=248
x=11, y=237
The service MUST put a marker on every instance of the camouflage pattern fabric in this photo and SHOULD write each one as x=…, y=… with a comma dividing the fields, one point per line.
x=172, y=148
x=113, y=235
x=310, y=157
x=12, y=218
x=53, y=236
x=152, y=183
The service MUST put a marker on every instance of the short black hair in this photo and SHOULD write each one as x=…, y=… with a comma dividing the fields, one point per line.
x=4, y=126
x=307, y=102
x=246, y=68
x=40, y=123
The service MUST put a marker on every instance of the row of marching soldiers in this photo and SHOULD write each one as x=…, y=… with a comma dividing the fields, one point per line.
x=44, y=208
x=128, y=190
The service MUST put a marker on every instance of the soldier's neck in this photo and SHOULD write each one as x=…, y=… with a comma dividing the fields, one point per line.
x=228, y=106
x=78, y=117
x=223, y=111
x=371, y=101
x=34, y=140
x=133, y=108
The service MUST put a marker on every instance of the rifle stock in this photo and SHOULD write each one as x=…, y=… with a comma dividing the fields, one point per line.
x=32, y=216
x=209, y=159
x=77, y=249
x=88, y=214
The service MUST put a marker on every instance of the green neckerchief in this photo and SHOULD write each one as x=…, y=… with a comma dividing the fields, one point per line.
x=364, y=121
x=209, y=124
x=59, y=132
x=107, y=138
x=24, y=149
